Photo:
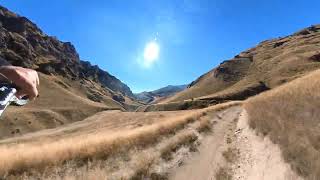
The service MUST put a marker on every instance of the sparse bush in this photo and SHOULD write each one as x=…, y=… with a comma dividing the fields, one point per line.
x=223, y=174
x=205, y=125
x=186, y=138
x=191, y=119
x=230, y=155
x=186, y=105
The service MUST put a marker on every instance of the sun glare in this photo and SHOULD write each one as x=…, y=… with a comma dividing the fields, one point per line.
x=151, y=52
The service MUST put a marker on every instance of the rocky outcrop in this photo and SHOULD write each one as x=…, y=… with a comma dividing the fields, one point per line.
x=118, y=97
x=315, y=57
x=96, y=74
x=233, y=69
x=24, y=44
x=228, y=71
x=241, y=94
x=309, y=30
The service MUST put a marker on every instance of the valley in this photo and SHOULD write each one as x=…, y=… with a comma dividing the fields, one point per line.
x=254, y=116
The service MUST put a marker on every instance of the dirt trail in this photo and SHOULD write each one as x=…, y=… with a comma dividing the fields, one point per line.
x=251, y=158
x=205, y=163
x=259, y=157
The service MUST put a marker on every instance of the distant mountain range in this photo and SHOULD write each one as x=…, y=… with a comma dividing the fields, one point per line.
x=154, y=96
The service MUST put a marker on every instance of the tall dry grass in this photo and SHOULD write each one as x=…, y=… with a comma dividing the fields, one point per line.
x=290, y=116
x=24, y=157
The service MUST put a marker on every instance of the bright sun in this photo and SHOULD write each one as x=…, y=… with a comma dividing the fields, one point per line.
x=151, y=52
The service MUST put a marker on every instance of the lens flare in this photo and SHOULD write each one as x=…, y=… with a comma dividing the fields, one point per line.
x=151, y=52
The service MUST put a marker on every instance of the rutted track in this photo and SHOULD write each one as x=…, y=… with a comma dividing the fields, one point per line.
x=234, y=151
x=204, y=164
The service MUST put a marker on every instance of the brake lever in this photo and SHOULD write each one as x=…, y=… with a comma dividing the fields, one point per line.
x=7, y=97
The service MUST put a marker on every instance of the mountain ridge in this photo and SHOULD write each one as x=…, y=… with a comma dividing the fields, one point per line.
x=269, y=64
x=24, y=44
x=158, y=94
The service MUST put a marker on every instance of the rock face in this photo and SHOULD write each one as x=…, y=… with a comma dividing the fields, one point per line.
x=152, y=96
x=24, y=44
x=227, y=72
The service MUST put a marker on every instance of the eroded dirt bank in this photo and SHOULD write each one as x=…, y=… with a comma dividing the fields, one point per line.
x=259, y=158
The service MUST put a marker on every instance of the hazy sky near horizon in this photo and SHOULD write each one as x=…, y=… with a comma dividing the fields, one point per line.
x=193, y=36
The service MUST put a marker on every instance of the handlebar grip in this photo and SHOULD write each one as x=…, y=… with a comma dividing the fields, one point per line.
x=7, y=93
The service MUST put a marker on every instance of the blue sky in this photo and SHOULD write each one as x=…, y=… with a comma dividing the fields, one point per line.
x=193, y=35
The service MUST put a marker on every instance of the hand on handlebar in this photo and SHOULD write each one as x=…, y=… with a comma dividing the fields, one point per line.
x=27, y=80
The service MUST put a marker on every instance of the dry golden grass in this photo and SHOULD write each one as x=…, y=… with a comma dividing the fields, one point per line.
x=40, y=157
x=205, y=125
x=289, y=115
x=25, y=157
x=184, y=138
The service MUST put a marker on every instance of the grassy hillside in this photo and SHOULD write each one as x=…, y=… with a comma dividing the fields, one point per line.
x=174, y=106
x=60, y=102
x=289, y=115
x=272, y=63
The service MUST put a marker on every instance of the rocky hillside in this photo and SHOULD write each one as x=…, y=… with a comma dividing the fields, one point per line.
x=24, y=44
x=268, y=65
x=70, y=89
x=156, y=95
